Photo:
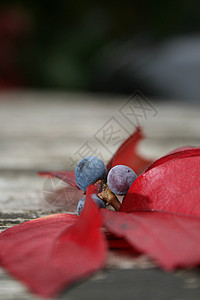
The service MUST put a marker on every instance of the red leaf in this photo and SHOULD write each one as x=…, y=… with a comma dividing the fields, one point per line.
x=176, y=154
x=25, y=251
x=66, y=176
x=172, y=240
x=126, y=154
x=115, y=242
x=173, y=186
x=49, y=253
x=183, y=149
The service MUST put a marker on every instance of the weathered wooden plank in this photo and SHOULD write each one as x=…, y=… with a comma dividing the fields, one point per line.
x=39, y=131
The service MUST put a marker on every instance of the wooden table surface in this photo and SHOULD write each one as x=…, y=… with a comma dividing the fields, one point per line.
x=48, y=131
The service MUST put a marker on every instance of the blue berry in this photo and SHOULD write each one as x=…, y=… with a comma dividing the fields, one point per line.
x=80, y=205
x=88, y=171
x=120, y=179
x=98, y=201
x=95, y=198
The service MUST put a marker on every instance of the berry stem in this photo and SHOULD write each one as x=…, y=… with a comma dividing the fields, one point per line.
x=108, y=196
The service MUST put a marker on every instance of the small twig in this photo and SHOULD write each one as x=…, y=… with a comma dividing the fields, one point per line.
x=109, y=197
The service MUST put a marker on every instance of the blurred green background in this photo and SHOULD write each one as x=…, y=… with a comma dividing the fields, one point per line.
x=101, y=46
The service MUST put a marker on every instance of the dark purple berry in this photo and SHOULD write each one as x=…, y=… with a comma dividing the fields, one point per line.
x=120, y=178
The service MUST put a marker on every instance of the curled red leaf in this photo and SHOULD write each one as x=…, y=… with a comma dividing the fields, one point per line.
x=50, y=253
x=173, y=186
x=26, y=252
x=116, y=242
x=182, y=149
x=176, y=154
x=127, y=155
x=170, y=239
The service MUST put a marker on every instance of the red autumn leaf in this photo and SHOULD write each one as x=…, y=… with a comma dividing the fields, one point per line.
x=170, y=239
x=25, y=251
x=48, y=254
x=126, y=154
x=66, y=176
x=183, y=149
x=173, y=186
x=176, y=154
x=115, y=242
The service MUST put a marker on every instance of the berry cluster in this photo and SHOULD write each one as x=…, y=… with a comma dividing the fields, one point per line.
x=92, y=170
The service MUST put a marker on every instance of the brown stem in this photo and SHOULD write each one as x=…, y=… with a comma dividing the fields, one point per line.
x=100, y=185
x=109, y=197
